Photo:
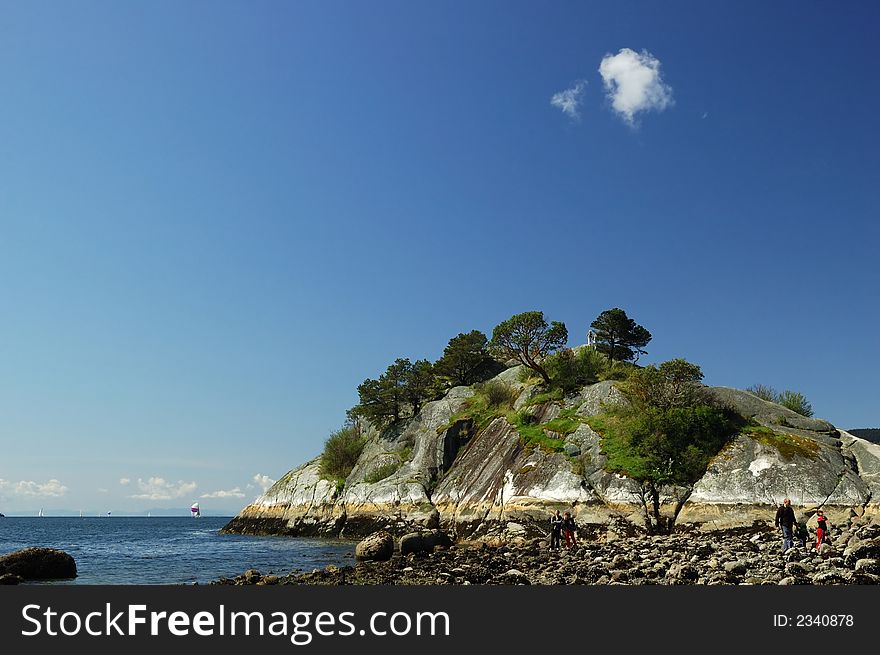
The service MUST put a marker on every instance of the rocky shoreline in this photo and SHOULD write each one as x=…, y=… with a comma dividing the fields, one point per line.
x=746, y=556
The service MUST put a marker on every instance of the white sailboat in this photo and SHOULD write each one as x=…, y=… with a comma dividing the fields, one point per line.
x=41, y=513
x=196, y=512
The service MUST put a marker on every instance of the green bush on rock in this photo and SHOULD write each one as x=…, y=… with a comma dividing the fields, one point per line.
x=341, y=452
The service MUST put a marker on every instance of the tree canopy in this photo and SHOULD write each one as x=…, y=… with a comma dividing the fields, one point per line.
x=402, y=385
x=668, y=433
x=466, y=360
x=528, y=338
x=619, y=336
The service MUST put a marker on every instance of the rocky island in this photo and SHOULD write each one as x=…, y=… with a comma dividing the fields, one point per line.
x=551, y=428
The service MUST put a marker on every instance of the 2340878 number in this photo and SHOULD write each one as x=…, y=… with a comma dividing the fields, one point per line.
x=824, y=620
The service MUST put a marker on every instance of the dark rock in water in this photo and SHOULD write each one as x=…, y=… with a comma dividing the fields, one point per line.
x=38, y=564
x=9, y=578
x=377, y=547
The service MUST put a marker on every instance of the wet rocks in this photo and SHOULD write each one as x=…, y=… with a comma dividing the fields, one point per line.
x=38, y=564
x=735, y=557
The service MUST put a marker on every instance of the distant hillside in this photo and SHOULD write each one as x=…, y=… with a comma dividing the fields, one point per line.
x=869, y=434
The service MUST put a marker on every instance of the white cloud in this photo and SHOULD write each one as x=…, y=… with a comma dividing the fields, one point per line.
x=263, y=481
x=569, y=101
x=124, y=481
x=53, y=488
x=232, y=493
x=633, y=83
x=161, y=489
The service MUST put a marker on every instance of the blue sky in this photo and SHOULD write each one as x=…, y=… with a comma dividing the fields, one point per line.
x=217, y=219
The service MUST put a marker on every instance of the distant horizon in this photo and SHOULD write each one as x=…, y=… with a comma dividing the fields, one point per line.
x=170, y=513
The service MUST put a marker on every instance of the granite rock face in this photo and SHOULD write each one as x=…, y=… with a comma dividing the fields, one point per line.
x=438, y=470
x=300, y=503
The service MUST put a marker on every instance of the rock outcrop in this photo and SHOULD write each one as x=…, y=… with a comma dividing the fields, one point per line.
x=37, y=564
x=443, y=470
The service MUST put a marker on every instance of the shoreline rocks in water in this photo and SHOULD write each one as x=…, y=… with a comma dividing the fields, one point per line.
x=36, y=564
x=747, y=556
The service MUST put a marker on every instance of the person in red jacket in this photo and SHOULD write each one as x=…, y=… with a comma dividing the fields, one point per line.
x=570, y=530
x=822, y=529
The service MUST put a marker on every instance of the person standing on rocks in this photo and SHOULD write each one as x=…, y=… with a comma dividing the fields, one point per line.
x=785, y=520
x=821, y=529
x=555, y=530
x=570, y=528
x=802, y=533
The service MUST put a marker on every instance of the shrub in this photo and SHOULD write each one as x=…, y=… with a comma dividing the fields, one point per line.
x=675, y=383
x=581, y=464
x=341, y=452
x=497, y=394
x=663, y=446
x=796, y=402
x=763, y=392
x=793, y=400
x=571, y=370
x=619, y=371
x=668, y=434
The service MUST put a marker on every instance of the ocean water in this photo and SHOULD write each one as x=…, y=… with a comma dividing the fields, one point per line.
x=165, y=550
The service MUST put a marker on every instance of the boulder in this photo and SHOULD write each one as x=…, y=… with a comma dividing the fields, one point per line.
x=38, y=564
x=377, y=547
x=423, y=542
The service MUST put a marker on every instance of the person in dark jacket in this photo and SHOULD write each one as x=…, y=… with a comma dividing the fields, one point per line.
x=570, y=528
x=785, y=520
x=555, y=530
x=801, y=532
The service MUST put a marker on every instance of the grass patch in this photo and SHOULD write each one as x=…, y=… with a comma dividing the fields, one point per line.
x=567, y=422
x=788, y=445
x=533, y=434
x=620, y=456
x=546, y=397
